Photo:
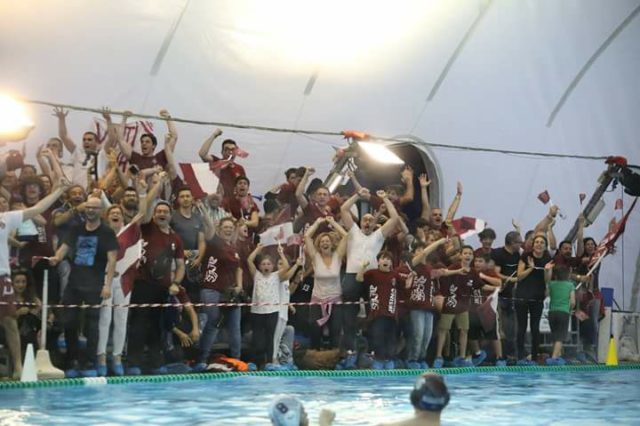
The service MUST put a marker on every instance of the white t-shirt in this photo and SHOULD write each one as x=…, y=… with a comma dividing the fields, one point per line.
x=76, y=171
x=362, y=247
x=326, y=279
x=283, y=312
x=266, y=290
x=9, y=222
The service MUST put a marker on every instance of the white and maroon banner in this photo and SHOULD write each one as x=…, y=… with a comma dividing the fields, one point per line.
x=468, y=226
x=199, y=178
x=130, y=242
x=280, y=234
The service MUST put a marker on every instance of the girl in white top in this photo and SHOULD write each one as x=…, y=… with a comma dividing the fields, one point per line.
x=266, y=292
x=326, y=254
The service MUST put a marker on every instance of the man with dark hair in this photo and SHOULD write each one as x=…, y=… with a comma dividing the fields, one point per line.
x=130, y=203
x=506, y=260
x=228, y=171
x=434, y=215
x=146, y=158
x=429, y=397
x=189, y=225
x=81, y=161
x=317, y=205
x=94, y=249
x=487, y=236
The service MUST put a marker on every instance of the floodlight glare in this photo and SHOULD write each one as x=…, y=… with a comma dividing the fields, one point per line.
x=15, y=124
x=380, y=153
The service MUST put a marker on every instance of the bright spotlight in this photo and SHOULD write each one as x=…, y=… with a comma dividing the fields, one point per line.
x=15, y=123
x=380, y=153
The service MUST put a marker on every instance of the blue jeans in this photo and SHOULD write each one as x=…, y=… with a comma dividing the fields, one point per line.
x=210, y=333
x=422, y=329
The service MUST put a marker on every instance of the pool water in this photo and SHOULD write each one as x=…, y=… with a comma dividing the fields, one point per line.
x=559, y=398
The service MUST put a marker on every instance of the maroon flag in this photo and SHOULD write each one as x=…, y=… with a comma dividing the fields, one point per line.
x=582, y=197
x=130, y=242
x=468, y=226
x=609, y=240
x=238, y=152
x=544, y=197
x=618, y=205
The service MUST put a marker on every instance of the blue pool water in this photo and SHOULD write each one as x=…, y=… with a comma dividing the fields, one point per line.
x=562, y=398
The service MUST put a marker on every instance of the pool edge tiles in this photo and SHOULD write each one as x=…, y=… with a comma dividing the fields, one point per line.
x=307, y=373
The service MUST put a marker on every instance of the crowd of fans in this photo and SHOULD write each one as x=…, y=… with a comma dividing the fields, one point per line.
x=372, y=286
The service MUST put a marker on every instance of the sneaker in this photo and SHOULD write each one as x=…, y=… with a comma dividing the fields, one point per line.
x=560, y=361
x=525, y=362
x=389, y=364
x=272, y=367
x=377, y=365
x=424, y=365
x=340, y=364
x=350, y=361
x=413, y=365
x=101, y=370
x=501, y=362
x=478, y=358
x=71, y=373
x=462, y=362
x=117, y=369
x=159, y=371
x=551, y=361
x=134, y=371
x=438, y=363
x=251, y=366
x=199, y=367
x=89, y=371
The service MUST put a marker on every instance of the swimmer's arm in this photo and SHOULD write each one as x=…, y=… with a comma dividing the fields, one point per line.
x=326, y=417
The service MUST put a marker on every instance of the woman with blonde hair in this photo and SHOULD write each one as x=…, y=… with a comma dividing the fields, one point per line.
x=326, y=253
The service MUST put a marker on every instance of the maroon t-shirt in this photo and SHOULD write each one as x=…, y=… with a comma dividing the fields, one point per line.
x=240, y=209
x=219, y=265
x=423, y=289
x=159, y=250
x=478, y=295
x=228, y=175
x=394, y=246
x=404, y=293
x=149, y=161
x=383, y=292
x=457, y=291
x=244, y=249
x=571, y=262
x=287, y=195
x=312, y=212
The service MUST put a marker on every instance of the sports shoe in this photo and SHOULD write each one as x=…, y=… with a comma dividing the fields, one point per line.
x=159, y=371
x=462, y=362
x=413, y=365
x=134, y=371
x=272, y=367
x=351, y=360
x=71, y=373
x=525, y=362
x=424, y=365
x=377, y=365
x=389, y=364
x=101, y=370
x=89, y=371
x=199, y=367
x=117, y=369
x=340, y=364
x=438, y=363
x=252, y=367
x=551, y=361
x=478, y=358
x=501, y=362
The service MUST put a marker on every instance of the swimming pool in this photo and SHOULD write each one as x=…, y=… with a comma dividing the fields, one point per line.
x=489, y=396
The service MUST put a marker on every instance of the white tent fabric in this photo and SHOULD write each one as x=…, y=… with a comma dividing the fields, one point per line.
x=250, y=62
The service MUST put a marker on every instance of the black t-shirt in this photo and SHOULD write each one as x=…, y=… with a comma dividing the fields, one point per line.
x=89, y=254
x=508, y=263
x=304, y=290
x=533, y=286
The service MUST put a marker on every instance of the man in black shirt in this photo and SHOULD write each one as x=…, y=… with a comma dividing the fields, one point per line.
x=506, y=259
x=93, y=249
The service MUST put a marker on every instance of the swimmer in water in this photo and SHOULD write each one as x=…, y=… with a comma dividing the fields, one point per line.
x=429, y=397
x=286, y=410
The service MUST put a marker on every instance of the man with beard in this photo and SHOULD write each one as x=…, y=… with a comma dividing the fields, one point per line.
x=129, y=203
x=94, y=250
x=363, y=245
x=154, y=283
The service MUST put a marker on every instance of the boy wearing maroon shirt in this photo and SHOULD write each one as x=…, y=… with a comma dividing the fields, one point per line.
x=382, y=284
x=241, y=205
x=478, y=298
x=456, y=290
x=229, y=171
x=161, y=247
x=147, y=158
x=421, y=302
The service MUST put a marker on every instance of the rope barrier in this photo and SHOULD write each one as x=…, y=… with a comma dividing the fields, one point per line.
x=319, y=132
x=218, y=304
x=312, y=373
